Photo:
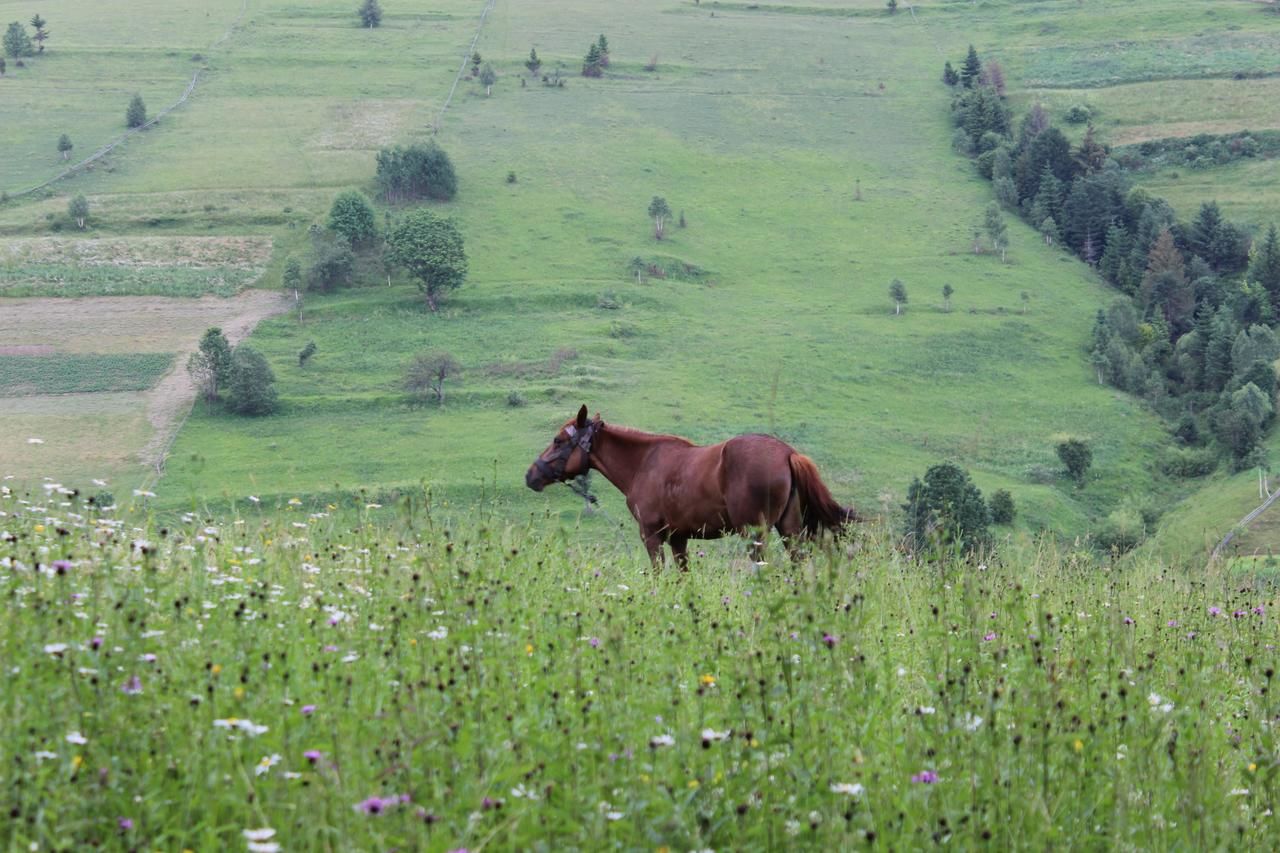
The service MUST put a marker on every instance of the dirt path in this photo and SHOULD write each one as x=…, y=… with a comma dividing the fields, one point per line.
x=169, y=402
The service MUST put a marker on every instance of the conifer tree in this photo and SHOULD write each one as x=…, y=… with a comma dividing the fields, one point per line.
x=136, y=115
x=971, y=70
x=533, y=63
x=1265, y=269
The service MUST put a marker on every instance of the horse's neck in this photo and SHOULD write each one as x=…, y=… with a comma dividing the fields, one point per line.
x=619, y=454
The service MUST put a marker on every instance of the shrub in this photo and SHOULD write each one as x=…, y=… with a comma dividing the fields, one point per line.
x=1078, y=114
x=305, y=355
x=1002, y=508
x=1188, y=462
x=1077, y=457
x=609, y=301
x=1121, y=532
x=511, y=177
x=516, y=400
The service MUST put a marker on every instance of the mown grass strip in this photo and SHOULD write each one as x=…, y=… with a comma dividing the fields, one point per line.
x=25, y=375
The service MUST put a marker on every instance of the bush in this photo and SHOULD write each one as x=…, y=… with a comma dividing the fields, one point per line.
x=1077, y=457
x=305, y=355
x=1002, y=509
x=1121, y=532
x=516, y=400
x=945, y=510
x=252, y=384
x=609, y=301
x=1078, y=114
x=1187, y=462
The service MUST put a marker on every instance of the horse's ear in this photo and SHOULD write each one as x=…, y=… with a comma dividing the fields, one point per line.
x=582, y=418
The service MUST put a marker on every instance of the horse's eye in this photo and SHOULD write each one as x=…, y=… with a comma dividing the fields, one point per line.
x=559, y=441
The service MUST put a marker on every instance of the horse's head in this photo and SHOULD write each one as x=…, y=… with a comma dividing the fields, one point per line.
x=568, y=454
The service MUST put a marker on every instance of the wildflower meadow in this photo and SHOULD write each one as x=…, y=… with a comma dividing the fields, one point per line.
x=374, y=679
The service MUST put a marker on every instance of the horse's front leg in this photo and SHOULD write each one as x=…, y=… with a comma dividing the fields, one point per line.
x=653, y=540
x=680, y=550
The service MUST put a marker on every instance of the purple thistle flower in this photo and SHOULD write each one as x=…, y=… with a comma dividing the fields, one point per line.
x=830, y=640
x=308, y=710
x=1215, y=611
x=1128, y=620
x=925, y=777
x=1173, y=623
x=1236, y=614
x=95, y=643
x=373, y=805
x=989, y=637
x=62, y=566
x=330, y=648
x=313, y=755
x=595, y=642
x=125, y=824
x=1260, y=610
x=132, y=686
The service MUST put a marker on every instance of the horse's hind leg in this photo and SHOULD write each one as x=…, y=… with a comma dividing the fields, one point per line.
x=790, y=525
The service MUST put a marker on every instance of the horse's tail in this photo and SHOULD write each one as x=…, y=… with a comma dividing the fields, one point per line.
x=818, y=508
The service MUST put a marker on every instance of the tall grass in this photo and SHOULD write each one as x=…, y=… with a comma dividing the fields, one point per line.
x=404, y=679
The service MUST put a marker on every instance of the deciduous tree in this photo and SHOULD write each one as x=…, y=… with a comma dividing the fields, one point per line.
x=947, y=292
x=251, y=386
x=65, y=146
x=414, y=172
x=660, y=212
x=997, y=230
x=431, y=249
x=898, y=293
x=352, y=216
x=487, y=78
x=210, y=364
x=17, y=43
x=428, y=372
x=78, y=209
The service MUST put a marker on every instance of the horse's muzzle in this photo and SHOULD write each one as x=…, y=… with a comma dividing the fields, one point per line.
x=533, y=479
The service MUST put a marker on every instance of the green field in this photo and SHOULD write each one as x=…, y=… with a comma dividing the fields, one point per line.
x=460, y=683
x=24, y=375
x=759, y=123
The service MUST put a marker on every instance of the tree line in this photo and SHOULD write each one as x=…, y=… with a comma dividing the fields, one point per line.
x=1193, y=331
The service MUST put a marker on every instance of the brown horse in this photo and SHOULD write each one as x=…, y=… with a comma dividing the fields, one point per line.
x=679, y=491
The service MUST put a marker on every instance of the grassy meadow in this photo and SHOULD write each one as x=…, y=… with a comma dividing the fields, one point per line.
x=790, y=330
x=423, y=680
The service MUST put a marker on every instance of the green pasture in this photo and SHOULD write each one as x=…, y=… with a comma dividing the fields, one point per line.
x=454, y=682
x=792, y=332
x=22, y=375
x=760, y=123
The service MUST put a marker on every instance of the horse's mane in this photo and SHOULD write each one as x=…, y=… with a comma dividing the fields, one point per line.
x=642, y=434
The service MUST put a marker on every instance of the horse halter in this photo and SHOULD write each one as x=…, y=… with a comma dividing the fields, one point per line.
x=578, y=440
